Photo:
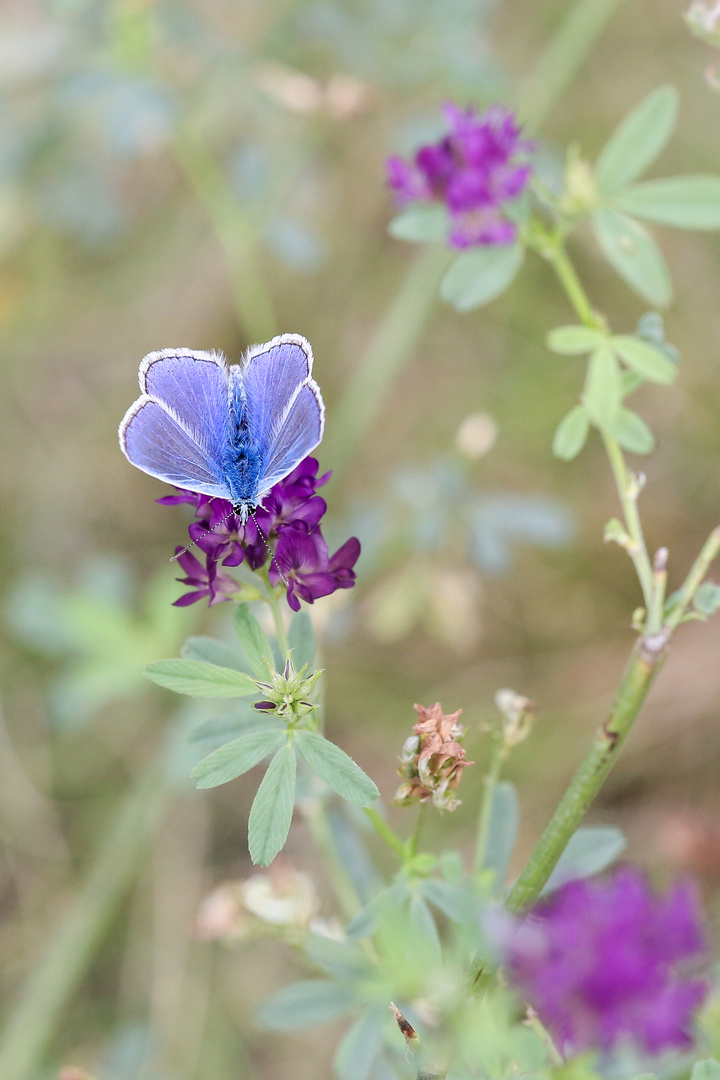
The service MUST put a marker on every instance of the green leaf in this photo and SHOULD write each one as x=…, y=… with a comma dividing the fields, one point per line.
x=571, y=433
x=360, y=1045
x=213, y=652
x=272, y=809
x=632, y=432
x=336, y=768
x=645, y=359
x=631, y=250
x=630, y=382
x=573, y=340
x=685, y=202
x=420, y=223
x=341, y=959
x=237, y=757
x=253, y=640
x=637, y=140
x=301, y=639
x=707, y=598
x=590, y=849
x=303, y=1004
x=709, y=1069
x=200, y=679
x=602, y=396
x=502, y=834
x=480, y=275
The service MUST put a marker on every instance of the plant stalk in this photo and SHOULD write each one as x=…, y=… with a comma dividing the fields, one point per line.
x=497, y=758
x=644, y=664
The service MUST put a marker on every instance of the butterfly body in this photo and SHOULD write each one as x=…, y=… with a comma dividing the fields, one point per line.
x=228, y=432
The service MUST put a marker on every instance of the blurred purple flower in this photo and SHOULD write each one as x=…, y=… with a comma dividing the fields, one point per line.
x=290, y=523
x=475, y=170
x=302, y=556
x=205, y=581
x=596, y=962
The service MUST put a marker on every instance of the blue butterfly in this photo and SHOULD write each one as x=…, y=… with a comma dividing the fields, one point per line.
x=231, y=432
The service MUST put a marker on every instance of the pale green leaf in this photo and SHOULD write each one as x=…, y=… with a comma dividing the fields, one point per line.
x=301, y=639
x=707, y=598
x=480, y=275
x=632, y=432
x=200, y=679
x=237, y=757
x=631, y=250
x=336, y=768
x=637, y=140
x=213, y=652
x=603, y=387
x=571, y=433
x=709, y=1069
x=684, y=202
x=304, y=1004
x=590, y=849
x=272, y=809
x=646, y=359
x=253, y=640
x=573, y=340
x=360, y=1045
x=420, y=223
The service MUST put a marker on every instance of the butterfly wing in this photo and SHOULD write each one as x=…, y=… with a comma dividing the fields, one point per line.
x=178, y=429
x=284, y=406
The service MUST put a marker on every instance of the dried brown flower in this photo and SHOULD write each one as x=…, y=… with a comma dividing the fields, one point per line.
x=432, y=760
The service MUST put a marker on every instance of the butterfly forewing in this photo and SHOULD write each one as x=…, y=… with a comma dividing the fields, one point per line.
x=155, y=442
x=194, y=387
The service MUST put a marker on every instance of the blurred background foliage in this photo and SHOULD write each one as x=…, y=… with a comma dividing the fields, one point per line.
x=207, y=174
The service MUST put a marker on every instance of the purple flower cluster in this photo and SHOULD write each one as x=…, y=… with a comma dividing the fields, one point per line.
x=597, y=963
x=290, y=523
x=475, y=170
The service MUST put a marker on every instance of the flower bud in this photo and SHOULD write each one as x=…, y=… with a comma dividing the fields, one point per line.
x=518, y=714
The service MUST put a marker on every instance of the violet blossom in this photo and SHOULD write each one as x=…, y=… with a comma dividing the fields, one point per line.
x=475, y=170
x=289, y=520
x=598, y=963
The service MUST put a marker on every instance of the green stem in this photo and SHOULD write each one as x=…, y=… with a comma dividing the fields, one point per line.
x=643, y=666
x=389, y=350
x=280, y=631
x=562, y=58
x=383, y=829
x=693, y=581
x=628, y=490
x=235, y=232
x=493, y=775
x=322, y=835
x=557, y=256
x=30, y=1026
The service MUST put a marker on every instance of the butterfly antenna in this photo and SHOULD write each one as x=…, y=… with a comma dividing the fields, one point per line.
x=194, y=542
x=271, y=553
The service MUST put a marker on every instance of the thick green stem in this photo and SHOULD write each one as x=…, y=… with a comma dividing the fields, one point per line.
x=491, y=780
x=562, y=58
x=643, y=666
x=390, y=348
x=32, y=1023
x=235, y=232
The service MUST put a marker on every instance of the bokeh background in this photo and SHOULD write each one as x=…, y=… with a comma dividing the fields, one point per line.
x=206, y=175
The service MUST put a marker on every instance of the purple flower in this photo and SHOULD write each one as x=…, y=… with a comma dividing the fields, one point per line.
x=289, y=521
x=205, y=581
x=475, y=170
x=597, y=963
x=302, y=557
